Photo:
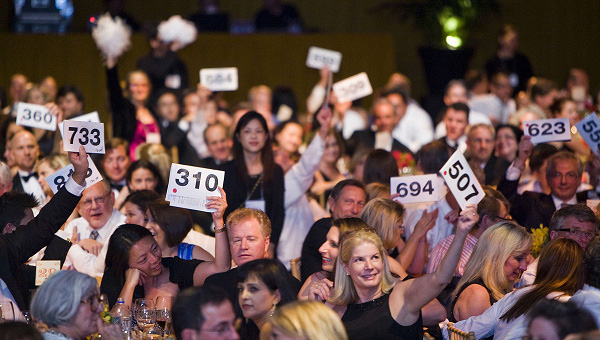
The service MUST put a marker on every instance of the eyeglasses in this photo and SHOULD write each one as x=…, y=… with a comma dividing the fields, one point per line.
x=578, y=233
x=99, y=201
x=570, y=175
x=505, y=219
x=95, y=301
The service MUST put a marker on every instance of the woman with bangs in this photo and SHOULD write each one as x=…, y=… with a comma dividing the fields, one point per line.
x=560, y=274
x=485, y=280
x=375, y=305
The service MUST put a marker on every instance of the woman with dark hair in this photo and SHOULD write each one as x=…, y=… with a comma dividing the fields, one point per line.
x=380, y=166
x=560, y=274
x=262, y=286
x=136, y=206
x=169, y=226
x=329, y=174
x=507, y=142
x=135, y=267
x=143, y=175
x=252, y=178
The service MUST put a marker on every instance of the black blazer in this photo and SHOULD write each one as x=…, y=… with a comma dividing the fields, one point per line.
x=16, y=248
x=531, y=209
x=494, y=170
x=17, y=185
x=365, y=139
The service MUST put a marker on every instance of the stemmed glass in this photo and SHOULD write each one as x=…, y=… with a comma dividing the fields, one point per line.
x=143, y=310
x=163, y=313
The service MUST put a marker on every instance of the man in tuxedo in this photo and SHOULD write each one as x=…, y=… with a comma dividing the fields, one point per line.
x=25, y=152
x=480, y=151
x=16, y=247
x=115, y=163
x=249, y=232
x=385, y=118
x=456, y=120
x=563, y=174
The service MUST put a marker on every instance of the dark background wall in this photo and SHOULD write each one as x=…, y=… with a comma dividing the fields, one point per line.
x=555, y=34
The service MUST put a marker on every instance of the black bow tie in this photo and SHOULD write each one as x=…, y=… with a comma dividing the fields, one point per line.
x=117, y=186
x=26, y=178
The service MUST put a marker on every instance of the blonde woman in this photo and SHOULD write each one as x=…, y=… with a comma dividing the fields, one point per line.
x=46, y=167
x=305, y=320
x=497, y=262
x=374, y=304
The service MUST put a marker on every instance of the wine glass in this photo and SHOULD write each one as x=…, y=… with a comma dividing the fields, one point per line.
x=145, y=317
x=7, y=311
x=163, y=312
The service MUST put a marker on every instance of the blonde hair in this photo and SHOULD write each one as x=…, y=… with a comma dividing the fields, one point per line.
x=310, y=320
x=156, y=154
x=377, y=190
x=344, y=292
x=243, y=214
x=56, y=161
x=383, y=215
x=494, y=247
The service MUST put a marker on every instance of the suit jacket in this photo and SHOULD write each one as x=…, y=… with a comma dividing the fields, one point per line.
x=17, y=185
x=365, y=139
x=531, y=209
x=25, y=241
x=494, y=170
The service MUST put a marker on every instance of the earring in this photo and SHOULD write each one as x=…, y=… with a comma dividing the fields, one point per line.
x=272, y=309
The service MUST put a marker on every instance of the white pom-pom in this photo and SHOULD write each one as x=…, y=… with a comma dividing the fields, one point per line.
x=179, y=31
x=112, y=36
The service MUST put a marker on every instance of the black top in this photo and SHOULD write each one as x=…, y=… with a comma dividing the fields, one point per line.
x=181, y=273
x=171, y=135
x=271, y=193
x=158, y=69
x=373, y=320
x=518, y=66
x=310, y=260
x=477, y=281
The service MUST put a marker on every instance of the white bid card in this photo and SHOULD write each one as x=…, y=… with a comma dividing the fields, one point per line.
x=219, y=79
x=461, y=180
x=89, y=135
x=43, y=269
x=189, y=186
x=548, y=130
x=353, y=88
x=319, y=58
x=88, y=117
x=589, y=129
x=37, y=116
x=58, y=179
x=415, y=189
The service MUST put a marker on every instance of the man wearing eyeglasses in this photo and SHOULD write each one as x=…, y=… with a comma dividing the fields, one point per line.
x=204, y=313
x=563, y=173
x=576, y=222
x=90, y=232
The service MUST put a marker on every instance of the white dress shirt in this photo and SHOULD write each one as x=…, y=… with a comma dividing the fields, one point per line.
x=32, y=186
x=475, y=117
x=415, y=129
x=493, y=107
x=82, y=260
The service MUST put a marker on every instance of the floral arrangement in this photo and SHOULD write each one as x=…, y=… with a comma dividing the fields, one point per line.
x=406, y=162
x=540, y=238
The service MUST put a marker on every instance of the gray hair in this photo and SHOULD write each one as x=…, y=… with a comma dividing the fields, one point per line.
x=5, y=175
x=57, y=300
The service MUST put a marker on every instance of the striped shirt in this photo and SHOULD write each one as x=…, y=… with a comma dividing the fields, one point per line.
x=440, y=250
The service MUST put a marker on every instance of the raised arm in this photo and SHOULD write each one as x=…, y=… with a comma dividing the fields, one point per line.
x=409, y=297
x=222, y=260
x=425, y=224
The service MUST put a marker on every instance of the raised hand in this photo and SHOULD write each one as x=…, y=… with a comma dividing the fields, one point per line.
x=80, y=164
x=219, y=204
x=467, y=219
x=426, y=222
x=525, y=149
x=324, y=118
x=320, y=290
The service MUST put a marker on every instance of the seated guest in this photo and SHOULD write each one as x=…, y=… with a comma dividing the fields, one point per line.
x=263, y=286
x=319, y=284
x=589, y=296
x=329, y=174
x=456, y=121
x=204, y=313
x=115, y=163
x=373, y=303
x=507, y=142
x=249, y=235
x=135, y=267
x=493, y=208
x=347, y=199
x=18, y=246
x=560, y=276
x=136, y=206
x=90, y=232
x=169, y=226
x=25, y=152
x=68, y=302
x=497, y=261
x=498, y=105
x=563, y=173
x=480, y=151
x=380, y=166
x=219, y=143
x=46, y=167
x=538, y=162
x=576, y=222
x=70, y=100
x=306, y=320
x=141, y=175
x=551, y=319
x=566, y=108
x=385, y=119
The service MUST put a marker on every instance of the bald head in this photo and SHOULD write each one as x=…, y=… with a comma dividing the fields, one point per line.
x=24, y=150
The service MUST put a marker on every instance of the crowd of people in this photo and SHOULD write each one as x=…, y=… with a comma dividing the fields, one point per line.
x=306, y=239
